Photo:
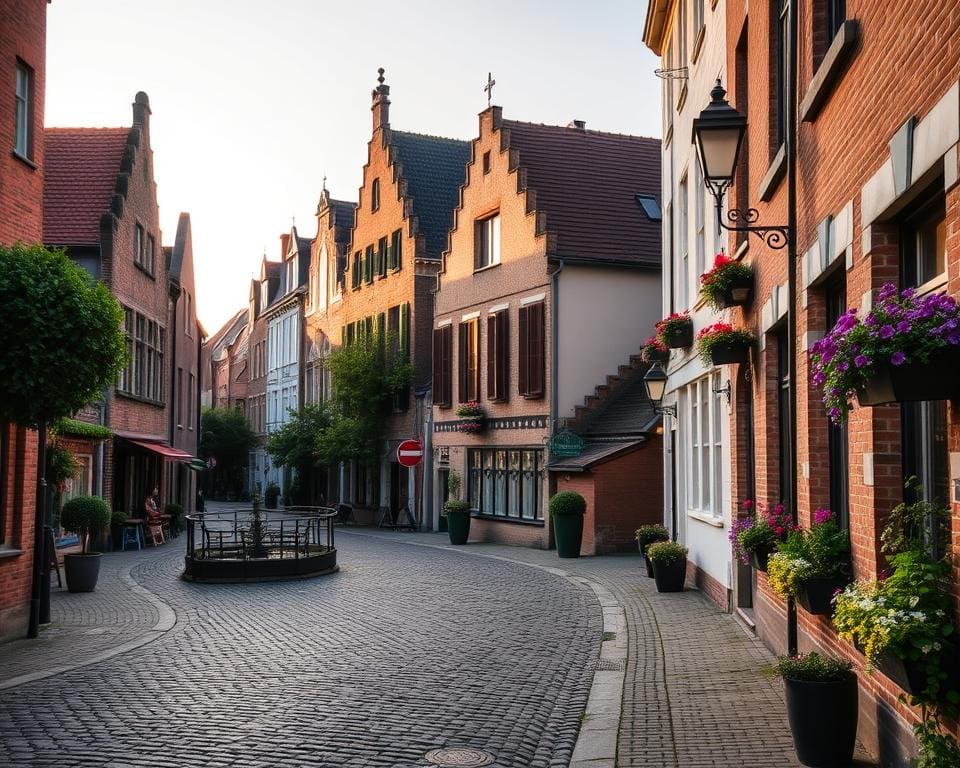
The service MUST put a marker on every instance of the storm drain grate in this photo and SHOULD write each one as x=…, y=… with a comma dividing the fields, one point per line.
x=605, y=665
x=459, y=757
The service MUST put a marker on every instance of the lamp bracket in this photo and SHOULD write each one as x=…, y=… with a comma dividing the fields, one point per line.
x=667, y=410
x=724, y=390
x=740, y=220
x=677, y=73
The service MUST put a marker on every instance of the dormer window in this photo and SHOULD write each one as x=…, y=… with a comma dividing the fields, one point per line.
x=291, y=274
x=650, y=206
x=264, y=295
x=375, y=195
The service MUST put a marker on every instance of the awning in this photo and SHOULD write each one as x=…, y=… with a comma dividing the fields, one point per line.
x=168, y=452
x=196, y=464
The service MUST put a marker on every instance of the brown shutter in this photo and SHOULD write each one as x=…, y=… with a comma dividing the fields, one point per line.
x=462, y=394
x=438, y=367
x=503, y=355
x=447, y=365
x=536, y=377
x=523, y=350
x=493, y=379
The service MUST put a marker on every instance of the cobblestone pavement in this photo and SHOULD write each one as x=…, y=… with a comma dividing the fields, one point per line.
x=406, y=649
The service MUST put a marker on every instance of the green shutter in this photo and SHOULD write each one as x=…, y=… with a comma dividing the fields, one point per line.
x=405, y=329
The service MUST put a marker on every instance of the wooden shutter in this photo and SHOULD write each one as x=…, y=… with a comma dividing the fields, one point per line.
x=492, y=359
x=447, y=364
x=498, y=356
x=462, y=331
x=405, y=329
x=398, y=251
x=438, y=383
x=535, y=378
x=474, y=382
x=523, y=350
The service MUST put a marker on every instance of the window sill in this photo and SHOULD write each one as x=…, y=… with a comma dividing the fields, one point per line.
x=932, y=285
x=139, y=399
x=26, y=161
x=485, y=268
x=774, y=175
x=505, y=519
x=830, y=71
x=710, y=520
x=9, y=552
x=532, y=397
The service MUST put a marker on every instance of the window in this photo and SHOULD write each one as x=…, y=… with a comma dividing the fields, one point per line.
x=144, y=374
x=139, y=245
x=836, y=305
x=505, y=482
x=355, y=269
x=150, y=254
x=368, y=265
x=375, y=195
x=923, y=239
x=486, y=163
x=487, y=242
x=180, y=398
x=264, y=294
x=530, y=350
x=190, y=400
x=23, y=109
x=683, y=273
x=338, y=268
x=395, y=252
x=705, y=471
x=781, y=54
x=188, y=315
x=650, y=206
x=291, y=276
x=785, y=453
x=697, y=16
x=443, y=366
x=498, y=356
x=468, y=361
x=698, y=218
x=925, y=455
x=382, y=257
x=836, y=15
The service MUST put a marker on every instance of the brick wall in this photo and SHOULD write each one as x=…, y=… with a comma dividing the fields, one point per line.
x=17, y=509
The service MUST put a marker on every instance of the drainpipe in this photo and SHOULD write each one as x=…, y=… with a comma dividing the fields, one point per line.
x=554, y=354
x=791, y=140
x=174, y=400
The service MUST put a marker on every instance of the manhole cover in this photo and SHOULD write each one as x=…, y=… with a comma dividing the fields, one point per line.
x=459, y=757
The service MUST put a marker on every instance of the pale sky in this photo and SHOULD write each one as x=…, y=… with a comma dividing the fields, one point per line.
x=253, y=102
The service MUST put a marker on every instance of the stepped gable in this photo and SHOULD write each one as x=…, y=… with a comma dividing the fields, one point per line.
x=434, y=168
x=81, y=167
x=586, y=182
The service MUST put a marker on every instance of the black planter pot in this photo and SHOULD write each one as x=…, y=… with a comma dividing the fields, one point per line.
x=759, y=558
x=82, y=571
x=568, y=530
x=728, y=353
x=738, y=294
x=458, y=526
x=934, y=380
x=671, y=576
x=642, y=545
x=823, y=721
x=816, y=595
x=679, y=338
x=649, y=564
x=656, y=356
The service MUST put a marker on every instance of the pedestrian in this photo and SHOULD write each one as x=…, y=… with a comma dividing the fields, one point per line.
x=200, y=500
x=152, y=506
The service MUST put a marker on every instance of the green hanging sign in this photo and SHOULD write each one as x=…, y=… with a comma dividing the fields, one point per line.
x=565, y=444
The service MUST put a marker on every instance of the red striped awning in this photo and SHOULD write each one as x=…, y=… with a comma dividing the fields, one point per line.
x=168, y=452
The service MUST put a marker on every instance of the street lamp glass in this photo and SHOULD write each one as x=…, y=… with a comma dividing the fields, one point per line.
x=718, y=133
x=655, y=382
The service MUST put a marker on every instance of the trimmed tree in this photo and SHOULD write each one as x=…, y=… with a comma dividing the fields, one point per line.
x=63, y=344
x=226, y=435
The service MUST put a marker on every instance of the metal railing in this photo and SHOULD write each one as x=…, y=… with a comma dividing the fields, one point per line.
x=293, y=532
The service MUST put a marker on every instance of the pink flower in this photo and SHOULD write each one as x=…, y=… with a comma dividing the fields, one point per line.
x=821, y=516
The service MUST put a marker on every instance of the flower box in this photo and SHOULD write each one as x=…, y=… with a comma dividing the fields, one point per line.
x=722, y=344
x=760, y=557
x=738, y=294
x=728, y=284
x=675, y=331
x=936, y=379
x=911, y=675
x=729, y=353
x=472, y=418
x=654, y=352
x=816, y=594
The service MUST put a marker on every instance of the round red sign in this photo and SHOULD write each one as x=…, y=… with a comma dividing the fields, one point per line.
x=410, y=453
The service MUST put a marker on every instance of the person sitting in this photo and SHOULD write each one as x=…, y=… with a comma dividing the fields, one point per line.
x=154, y=519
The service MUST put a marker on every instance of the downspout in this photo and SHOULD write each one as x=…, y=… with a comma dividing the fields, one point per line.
x=174, y=391
x=554, y=353
x=791, y=151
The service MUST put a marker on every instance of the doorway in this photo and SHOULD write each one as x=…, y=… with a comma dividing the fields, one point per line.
x=443, y=477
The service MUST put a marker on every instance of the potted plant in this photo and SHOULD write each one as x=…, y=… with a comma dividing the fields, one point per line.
x=812, y=566
x=669, y=565
x=86, y=516
x=722, y=344
x=676, y=331
x=566, y=515
x=906, y=348
x=728, y=284
x=271, y=496
x=821, y=707
x=647, y=535
x=472, y=418
x=176, y=517
x=456, y=511
x=756, y=533
x=654, y=351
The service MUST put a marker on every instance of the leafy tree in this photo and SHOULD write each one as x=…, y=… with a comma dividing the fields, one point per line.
x=226, y=435
x=63, y=340
x=297, y=443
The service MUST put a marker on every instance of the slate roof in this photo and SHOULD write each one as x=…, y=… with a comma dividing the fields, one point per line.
x=626, y=412
x=587, y=182
x=434, y=169
x=175, y=264
x=343, y=218
x=80, y=175
x=594, y=453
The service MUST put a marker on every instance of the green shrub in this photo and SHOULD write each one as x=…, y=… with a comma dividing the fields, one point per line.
x=647, y=534
x=567, y=503
x=455, y=505
x=666, y=552
x=85, y=515
x=176, y=517
x=812, y=667
x=118, y=517
x=271, y=496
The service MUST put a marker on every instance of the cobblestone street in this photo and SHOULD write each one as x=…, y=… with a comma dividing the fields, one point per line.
x=412, y=646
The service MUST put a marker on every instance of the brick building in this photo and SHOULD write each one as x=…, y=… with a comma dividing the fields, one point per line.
x=23, y=39
x=225, y=361
x=875, y=104
x=263, y=289
x=100, y=205
x=410, y=187
x=551, y=273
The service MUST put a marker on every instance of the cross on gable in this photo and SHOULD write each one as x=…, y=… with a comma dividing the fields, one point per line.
x=489, y=87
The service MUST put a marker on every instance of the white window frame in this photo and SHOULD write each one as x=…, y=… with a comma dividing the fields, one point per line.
x=699, y=223
x=683, y=243
x=488, y=242
x=702, y=428
x=23, y=107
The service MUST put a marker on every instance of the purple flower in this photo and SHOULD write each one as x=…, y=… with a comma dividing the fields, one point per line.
x=898, y=358
x=903, y=326
x=861, y=360
x=907, y=294
x=886, y=332
x=888, y=290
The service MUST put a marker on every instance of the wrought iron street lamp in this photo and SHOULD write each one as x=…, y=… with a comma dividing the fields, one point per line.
x=718, y=135
x=655, y=382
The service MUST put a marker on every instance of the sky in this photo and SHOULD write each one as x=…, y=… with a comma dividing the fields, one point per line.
x=253, y=103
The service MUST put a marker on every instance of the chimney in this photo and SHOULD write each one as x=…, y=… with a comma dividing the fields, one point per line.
x=284, y=244
x=381, y=103
x=580, y=125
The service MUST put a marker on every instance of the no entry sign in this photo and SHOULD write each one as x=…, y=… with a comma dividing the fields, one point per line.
x=410, y=453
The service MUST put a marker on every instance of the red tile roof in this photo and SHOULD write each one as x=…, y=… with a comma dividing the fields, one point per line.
x=587, y=182
x=81, y=166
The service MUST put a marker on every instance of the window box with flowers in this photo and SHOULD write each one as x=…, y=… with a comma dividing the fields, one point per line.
x=676, y=331
x=812, y=565
x=722, y=344
x=654, y=351
x=756, y=533
x=472, y=418
x=728, y=284
x=907, y=348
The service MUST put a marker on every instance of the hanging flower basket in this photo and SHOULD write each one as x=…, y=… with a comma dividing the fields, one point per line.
x=472, y=418
x=906, y=348
x=654, y=352
x=728, y=284
x=676, y=331
x=722, y=344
